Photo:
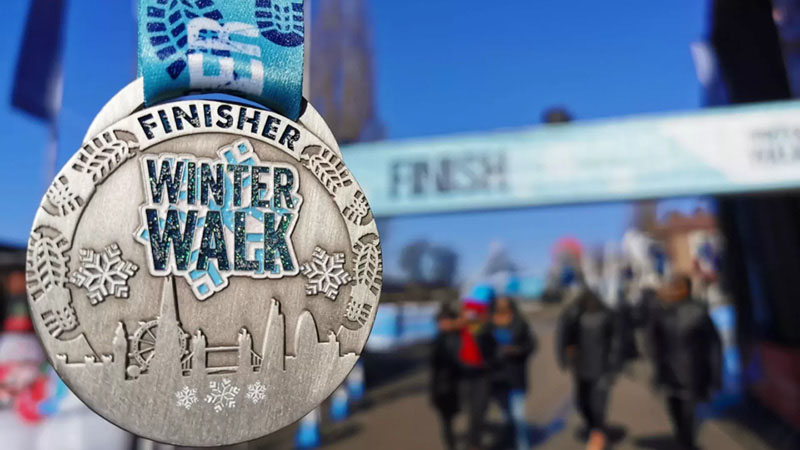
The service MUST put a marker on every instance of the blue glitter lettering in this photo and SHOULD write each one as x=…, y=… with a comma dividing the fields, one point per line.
x=157, y=183
x=213, y=243
x=160, y=243
x=275, y=243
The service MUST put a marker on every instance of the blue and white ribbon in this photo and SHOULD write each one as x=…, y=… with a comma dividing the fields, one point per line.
x=248, y=48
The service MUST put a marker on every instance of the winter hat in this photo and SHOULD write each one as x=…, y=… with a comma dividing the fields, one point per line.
x=480, y=298
x=483, y=293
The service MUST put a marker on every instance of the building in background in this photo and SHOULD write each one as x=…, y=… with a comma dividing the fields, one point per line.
x=342, y=86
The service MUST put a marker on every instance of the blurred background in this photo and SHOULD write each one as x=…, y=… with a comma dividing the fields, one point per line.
x=549, y=153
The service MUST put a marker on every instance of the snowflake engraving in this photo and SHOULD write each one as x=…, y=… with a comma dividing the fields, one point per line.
x=104, y=274
x=223, y=394
x=256, y=392
x=186, y=397
x=325, y=273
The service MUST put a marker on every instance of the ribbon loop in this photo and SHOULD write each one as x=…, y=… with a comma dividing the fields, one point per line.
x=248, y=48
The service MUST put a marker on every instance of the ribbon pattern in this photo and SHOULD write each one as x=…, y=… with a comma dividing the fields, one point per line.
x=249, y=48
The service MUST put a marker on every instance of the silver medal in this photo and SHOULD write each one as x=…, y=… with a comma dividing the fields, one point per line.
x=203, y=272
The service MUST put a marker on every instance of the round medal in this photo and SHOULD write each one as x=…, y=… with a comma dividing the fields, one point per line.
x=203, y=272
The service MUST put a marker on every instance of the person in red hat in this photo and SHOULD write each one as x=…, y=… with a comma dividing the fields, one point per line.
x=475, y=354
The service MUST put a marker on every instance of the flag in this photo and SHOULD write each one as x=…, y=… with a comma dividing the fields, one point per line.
x=37, y=81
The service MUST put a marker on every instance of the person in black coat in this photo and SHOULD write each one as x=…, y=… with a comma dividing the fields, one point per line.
x=626, y=327
x=588, y=343
x=514, y=343
x=446, y=374
x=687, y=355
x=646, y=307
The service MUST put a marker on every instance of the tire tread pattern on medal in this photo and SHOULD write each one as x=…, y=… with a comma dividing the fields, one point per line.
x=330, y=170
x=358, y=211
x=368, y=264
x=46, y=272
x=103, y=154
x=59, y=319
x=326, y=165
x=62, y=200
x=358, y=312
x=368, y=268
x=47, y=261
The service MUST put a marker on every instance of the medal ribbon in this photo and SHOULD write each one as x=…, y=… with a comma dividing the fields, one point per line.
x=248, y=48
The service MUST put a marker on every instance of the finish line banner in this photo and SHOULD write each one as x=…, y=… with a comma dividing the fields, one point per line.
x=722, y=150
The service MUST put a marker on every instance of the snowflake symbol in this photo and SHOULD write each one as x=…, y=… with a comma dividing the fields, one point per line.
x=325, y=273
x=186, y=397
x=103, y=274
x=256, y=392
x=223, y=394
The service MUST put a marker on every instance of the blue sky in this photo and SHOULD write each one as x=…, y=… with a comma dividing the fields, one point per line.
x=448, y=66
x=456, y=66
x=442, y=67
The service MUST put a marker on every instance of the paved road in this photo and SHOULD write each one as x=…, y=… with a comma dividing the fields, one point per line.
x=398, y=415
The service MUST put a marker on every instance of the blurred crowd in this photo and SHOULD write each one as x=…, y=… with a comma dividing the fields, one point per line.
x=37, y=410
x=481, y=353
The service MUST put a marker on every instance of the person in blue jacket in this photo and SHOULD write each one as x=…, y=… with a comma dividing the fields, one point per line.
x=514, y=342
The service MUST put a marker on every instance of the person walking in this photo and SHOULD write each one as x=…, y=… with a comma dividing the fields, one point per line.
x=514, y=343
x=587, y=343
x=475, y=353
x=446, y=372
x=687, y=355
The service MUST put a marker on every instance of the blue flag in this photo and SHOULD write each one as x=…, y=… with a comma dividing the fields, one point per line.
x=37, y=81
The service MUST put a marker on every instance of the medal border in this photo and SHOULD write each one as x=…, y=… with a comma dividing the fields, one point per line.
x=130, y=140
